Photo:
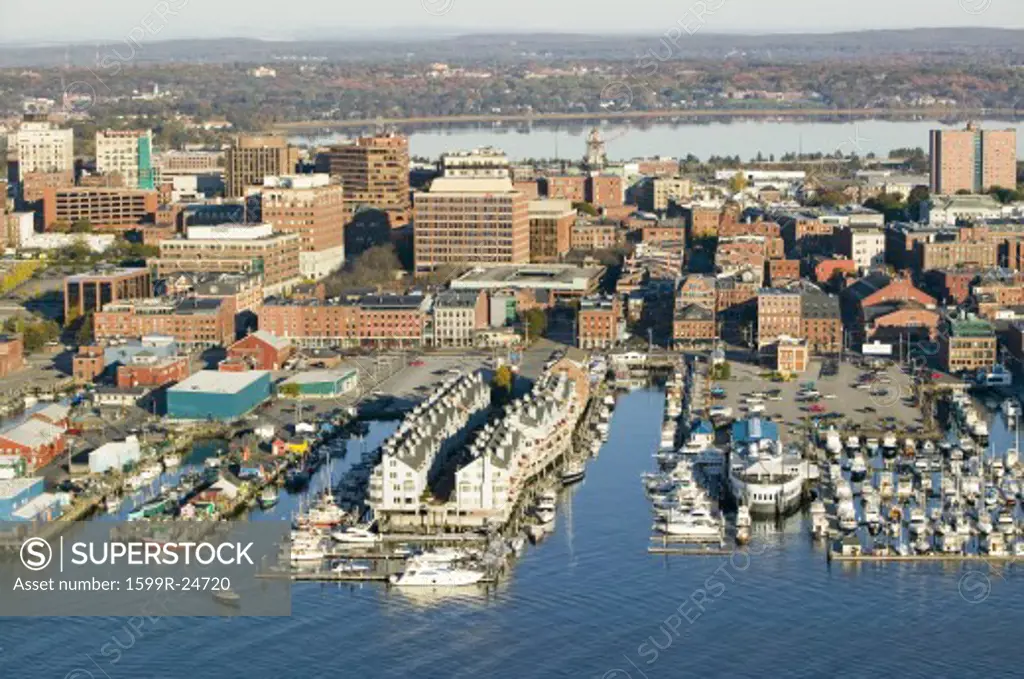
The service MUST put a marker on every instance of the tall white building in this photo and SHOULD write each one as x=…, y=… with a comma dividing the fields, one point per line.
x=128, y=153
x=42, y=146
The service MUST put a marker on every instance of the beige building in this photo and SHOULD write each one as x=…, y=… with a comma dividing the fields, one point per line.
x=235, y=249
x=973, y=160
x=251, y=158
x=128, y=153
x=313, y=207
x=375, y=173
x=43, y=147
x=458, y=315
x=479, y=222
x=659, y=191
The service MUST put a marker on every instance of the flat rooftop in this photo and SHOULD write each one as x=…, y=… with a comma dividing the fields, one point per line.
x=320, y=376
x=553, y=276
x=106, y=274
x=216, y=382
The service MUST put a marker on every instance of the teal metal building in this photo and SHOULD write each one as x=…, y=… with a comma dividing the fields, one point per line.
x=214, y=395
x=323, y=383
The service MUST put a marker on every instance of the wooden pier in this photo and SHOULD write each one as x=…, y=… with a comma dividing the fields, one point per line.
x=920, y=558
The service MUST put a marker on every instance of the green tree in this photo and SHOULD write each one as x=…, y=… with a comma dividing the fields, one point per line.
x=585, y=207
x=536, y=323
x=81, y=226
x=501, y=385
x=738, y=182
x=290, y=390
x=84, y=334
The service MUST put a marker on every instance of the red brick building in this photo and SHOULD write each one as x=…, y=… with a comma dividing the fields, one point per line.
x=106, y=208
x=827, y=269
x=152, y=373
x=36, y=441
x=693, y=326
x=599, y=322
x=372, y=320
x=88, y=292
x=596, y=236
x=194, y=323
x=604, y=190
x=12, y=354
x=781, y=272
x=261, y=350
x=572, y=188
x=88, y=364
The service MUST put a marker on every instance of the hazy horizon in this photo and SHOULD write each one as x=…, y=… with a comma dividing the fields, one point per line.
x=63, y=21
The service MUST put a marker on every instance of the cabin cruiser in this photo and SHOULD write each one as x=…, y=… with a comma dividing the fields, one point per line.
x=544, y=509
x=419, y=574
x=847, y=514
x=858, y=469
x=918, y=523
x=890, y=442
x=573, y=473
x=743, y=524
x=852, y=443
x=819, y=519
x=872, y=516
x=356, y=535
x=833, y=442
x=994, y=544
x=698, y=524
x=904, y=487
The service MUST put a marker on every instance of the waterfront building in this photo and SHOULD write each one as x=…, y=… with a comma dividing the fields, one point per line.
x=322, y=383
x=24, y=500
x=115, y=456
x=508, y=456
x=314, y=208
x=193, y=323
x=599, y=323
x=373, y=320
x=89, y=292
x=147, y=370
x=128, y=153
x=972, y=159
x=36, y=441
x=693, y=326
x=213, y=395
x=457, y=316
x=93, y=361
x=261, y=350
x=967, y=344
x=253, y=157
x=413, y=457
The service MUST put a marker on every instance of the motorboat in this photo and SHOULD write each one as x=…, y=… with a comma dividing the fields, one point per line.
x=699, y=524
x=847, y=515
x=1011, y=409
x=544, y=509
x=918, y=523
x=356, y=535
x=819, y=519
x=858, y=469
x=227, y=597
x=833, y=442
x=743, y=524
x=994, y=544
x=853, y=443
x=417, y=574
x=573, y=473
x=353, y=567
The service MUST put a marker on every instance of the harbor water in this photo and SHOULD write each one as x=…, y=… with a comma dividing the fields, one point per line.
x=588, y=601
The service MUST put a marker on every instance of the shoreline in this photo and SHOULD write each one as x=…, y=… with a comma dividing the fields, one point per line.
x=932, y=112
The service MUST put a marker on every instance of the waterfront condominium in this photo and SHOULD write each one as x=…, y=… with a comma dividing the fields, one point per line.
x=477, y=222
x=251, y=158
x=973, y=160
x=128, y=153
x=375, y=173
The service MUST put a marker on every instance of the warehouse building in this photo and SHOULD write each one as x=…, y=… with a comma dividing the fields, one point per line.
x=114, y=455
x=213, y=395
x=24, y=500
x=322, y=383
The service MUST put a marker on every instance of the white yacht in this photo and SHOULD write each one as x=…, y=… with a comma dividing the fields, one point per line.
x=743, y=524
x=847, y=514
x=853, y=443
x=833, y=442
x=544, y=509
x=355, y=535
x=1011, y=409
x=819, y=519
x=858, y=469
x=419, y=574
x=699, y=524
x=573, y=473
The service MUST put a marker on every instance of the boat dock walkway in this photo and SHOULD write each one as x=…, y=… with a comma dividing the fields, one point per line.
x=921, y=558
x=331, y=576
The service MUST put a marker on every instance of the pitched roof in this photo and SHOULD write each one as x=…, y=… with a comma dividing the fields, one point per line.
x=33, y=433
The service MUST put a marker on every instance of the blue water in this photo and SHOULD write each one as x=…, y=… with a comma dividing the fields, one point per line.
x=587, y=602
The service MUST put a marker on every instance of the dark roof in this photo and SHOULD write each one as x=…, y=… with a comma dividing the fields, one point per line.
x=819, y=305
x=867, y=286
x=694, y=312
x=390, y=301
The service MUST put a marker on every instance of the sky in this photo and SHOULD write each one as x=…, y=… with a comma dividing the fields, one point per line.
x=49, y=21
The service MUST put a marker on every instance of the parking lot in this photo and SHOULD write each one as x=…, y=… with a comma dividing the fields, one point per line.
x=888, y=397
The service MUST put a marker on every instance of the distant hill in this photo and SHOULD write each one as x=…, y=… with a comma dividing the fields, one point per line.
x=997, y=45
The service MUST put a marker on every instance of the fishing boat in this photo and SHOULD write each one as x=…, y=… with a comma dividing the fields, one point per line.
x=152, y=508
x=268, y=498
x=573, y=473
